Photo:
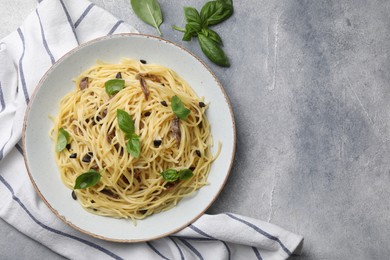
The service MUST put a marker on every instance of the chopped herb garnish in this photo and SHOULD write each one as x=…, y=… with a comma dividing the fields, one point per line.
x=179, y=109
x=87, y=179
x=113, y=86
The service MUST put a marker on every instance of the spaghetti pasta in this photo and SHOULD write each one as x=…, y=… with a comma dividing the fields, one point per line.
x=130, y=186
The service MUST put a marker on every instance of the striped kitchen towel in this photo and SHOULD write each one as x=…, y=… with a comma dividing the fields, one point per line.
x=54, y=28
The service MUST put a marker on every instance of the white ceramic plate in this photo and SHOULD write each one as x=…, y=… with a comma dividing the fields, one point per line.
x=39, y=149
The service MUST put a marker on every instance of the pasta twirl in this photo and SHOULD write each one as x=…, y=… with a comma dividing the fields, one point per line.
x=132, y=187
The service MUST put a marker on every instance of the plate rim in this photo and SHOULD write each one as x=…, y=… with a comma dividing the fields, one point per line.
x=54, y=66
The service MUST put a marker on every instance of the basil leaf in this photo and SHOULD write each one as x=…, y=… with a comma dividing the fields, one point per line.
x=194, y=26
x=133, y=146
x=125, y=122
x=62, y=140
x=185, y=174
x=87, y=179
x=228, y=2
x=148, y=11
x=215, y=12
x=170, y=175
x=211, y=49
x=192, y=16
x=179, y=109
x=113, y=86
x=213, y=35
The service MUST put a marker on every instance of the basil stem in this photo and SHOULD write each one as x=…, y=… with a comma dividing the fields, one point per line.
x=87, y=179
x=148, y=11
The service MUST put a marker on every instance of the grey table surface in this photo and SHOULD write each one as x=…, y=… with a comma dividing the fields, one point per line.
x=309, y=87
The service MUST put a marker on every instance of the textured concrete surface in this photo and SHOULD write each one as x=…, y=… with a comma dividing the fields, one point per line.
x=309, y=86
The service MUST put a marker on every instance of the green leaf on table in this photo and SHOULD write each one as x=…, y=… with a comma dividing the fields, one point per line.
x=215, y=12
x=213, y=35
x=62, y=139
x=228, y=2
x=87, y=179
x=212, y=50
x=148, y=11
x=193, y=18
x=113, y=86
x=178, y=108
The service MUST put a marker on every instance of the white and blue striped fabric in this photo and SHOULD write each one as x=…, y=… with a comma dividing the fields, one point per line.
x=54, y=28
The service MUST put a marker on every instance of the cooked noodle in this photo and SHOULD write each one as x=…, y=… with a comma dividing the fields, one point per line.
x=132, y=187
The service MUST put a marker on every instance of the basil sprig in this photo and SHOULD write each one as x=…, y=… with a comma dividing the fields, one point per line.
x=87, y=179
x=62, y=139
x=113, y=86
x=148, y=11
x=172, y=175
x=126, y=124
x=212, y=13
x=179, y=109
